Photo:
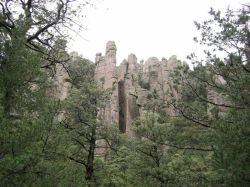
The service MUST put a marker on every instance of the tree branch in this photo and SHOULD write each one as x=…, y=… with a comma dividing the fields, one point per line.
x=77, y=161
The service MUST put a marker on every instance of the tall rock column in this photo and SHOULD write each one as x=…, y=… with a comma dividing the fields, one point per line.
x=105, y=73
x=132, y=110
x=110, y=58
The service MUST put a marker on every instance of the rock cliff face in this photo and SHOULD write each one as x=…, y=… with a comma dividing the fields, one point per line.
x=62, y=87
x=132, y=84
x=105, y=73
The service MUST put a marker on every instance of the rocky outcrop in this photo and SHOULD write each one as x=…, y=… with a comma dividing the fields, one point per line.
x=132, y=84
x=62, y=86
x=105, y=74
x=213, y=96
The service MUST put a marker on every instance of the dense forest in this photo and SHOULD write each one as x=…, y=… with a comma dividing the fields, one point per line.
x=47, y=141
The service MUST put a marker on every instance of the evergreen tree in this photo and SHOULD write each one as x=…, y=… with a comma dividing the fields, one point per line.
x=225, y=83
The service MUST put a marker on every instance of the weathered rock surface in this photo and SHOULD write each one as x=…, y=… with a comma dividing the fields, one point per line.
x=105, y=73
x=62, y=86
x=131, y=84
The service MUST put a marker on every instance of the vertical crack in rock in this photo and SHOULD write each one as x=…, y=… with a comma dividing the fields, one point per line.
x=122, y=106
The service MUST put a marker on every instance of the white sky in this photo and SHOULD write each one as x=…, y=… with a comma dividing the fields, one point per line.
x=160, y=28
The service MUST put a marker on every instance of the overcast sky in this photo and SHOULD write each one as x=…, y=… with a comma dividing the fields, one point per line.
x=159, y=28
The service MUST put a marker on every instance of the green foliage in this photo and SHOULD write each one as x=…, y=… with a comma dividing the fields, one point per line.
x=226, y=82
x=83, y=127
x=31, y=153
x=144, y=84
x=231, y=148
x=23, y=108
x=153, y=157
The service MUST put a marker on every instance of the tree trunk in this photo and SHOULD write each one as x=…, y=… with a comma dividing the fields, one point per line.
x=91, y=156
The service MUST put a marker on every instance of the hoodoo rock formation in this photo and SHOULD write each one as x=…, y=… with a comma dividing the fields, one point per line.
x=132, y=84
